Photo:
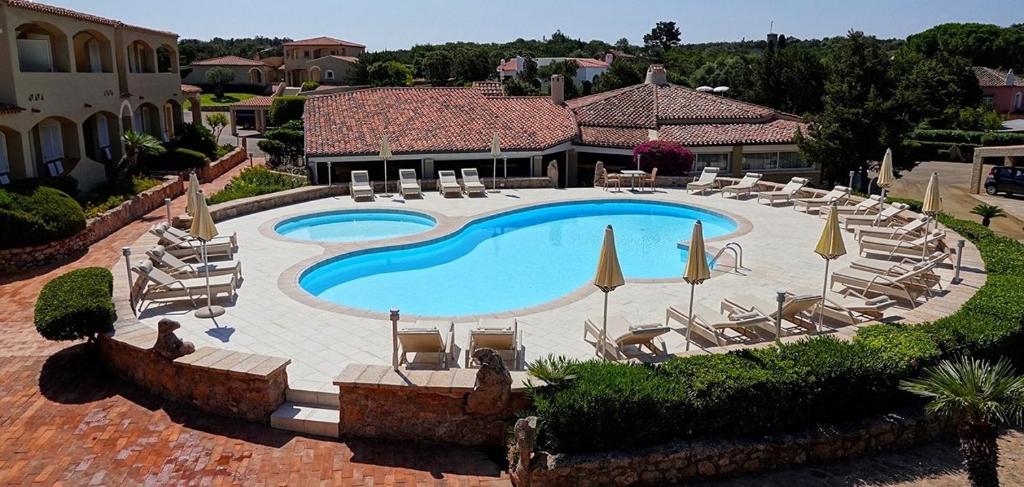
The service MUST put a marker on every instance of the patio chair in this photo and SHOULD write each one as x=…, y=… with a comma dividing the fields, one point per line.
x=448, y=184
x=192, y=249
x=360, y=187
x=496, y=335
x=799, y=310
x=177, y=232
x=908, y=286
x=848, y=314
x=426, y=342
x=745, y=186
x=157, y=285
x=181, y=269
x=837, y=195
x=408, y=184
x=706, y=181
x=862, y=208
x=606, y=180
x=887, y=230
x=650, y=180
x=889, y=214
x=904, y=246
x=711, y=326
x=786, y=194
x=630, y=339
x=889, y=268
x=471, y=182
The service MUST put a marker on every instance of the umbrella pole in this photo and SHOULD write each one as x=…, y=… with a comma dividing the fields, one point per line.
x=385, y=177
x=206, y=267
x=824, y=289
x=924, y=246
x=881, y=206
x=494, y=174
x=689, y=324
x=604, y=326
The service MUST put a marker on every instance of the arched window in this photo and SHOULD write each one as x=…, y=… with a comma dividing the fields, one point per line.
x=1018, y=101
x=51, y=146
x=329, y=74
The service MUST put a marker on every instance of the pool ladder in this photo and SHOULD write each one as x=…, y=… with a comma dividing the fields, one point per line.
x=737, y=253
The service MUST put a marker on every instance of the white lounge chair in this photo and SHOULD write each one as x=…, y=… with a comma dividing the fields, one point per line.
x=471, y=182
x=626, y=339
x=497, y=335
x=908, y=286
x=360, y=187
x=408, y=184
x=887, y=230
x=744, y=186
x=706, y=181
x=178, y=268
x=192, y=249
x=156, y=285
x=862, y=208
x=177, y=232
x=426, y=342
x=786, y=194
x=837, y=195
x=917, y=248
x=889, y=214
x=448, y=184
x=890, y=268
x=711, y=326
x=799, y=310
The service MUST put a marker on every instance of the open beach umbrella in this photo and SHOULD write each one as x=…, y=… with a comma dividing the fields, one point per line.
x=885, y=180
x=203, y=229
x=190, y=195
x=607, y=278
x=385, y=153
x=830, y=247
x=697, y=270
x=931, y=206
x=495, y=154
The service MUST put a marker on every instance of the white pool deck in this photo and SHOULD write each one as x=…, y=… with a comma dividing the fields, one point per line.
x=272, y=316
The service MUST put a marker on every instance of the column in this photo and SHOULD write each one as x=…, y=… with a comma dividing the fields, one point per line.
x=197, y=110
x=737, y=161
x=536, y=166
x=571, y=168
x=260, y=120
x=234, y=126
x=427, y=169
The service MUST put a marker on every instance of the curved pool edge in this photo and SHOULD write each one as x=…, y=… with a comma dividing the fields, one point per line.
x=288, y=281
x=269, y=228
x=429, y=221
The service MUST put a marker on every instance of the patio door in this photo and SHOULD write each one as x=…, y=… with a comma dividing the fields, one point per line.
x=5, y=163
x=103, y=136
x=95, y=60
x=51, y=141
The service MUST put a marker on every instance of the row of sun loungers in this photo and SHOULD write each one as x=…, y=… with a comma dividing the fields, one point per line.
x=408, y=185
x=432, y=344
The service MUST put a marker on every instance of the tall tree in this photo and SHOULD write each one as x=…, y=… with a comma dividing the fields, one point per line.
x=471, y=64
x=664, y=35
x=437, y=67
x=621, y=73
x=568, y=70
x=389, y=73
x=935, y=88
x=218, y=77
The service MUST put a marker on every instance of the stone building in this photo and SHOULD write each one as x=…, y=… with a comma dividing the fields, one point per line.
x=322, y=59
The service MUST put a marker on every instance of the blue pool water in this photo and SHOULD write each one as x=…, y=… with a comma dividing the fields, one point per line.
x=353, y=226
x=513, y=260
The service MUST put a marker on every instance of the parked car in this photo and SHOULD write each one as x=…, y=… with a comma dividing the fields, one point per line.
x=1009, y=180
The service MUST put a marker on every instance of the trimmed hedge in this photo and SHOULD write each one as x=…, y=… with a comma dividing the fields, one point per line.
x=76, y=305
x=179, y=159
x=254, y=181
x=1002, y=138
x=285, y=109
x=816, y=380
x=37, y=215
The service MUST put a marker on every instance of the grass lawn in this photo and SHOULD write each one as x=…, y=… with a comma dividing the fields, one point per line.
x=209, y=100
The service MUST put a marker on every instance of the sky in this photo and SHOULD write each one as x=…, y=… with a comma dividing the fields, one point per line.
x=395, y=24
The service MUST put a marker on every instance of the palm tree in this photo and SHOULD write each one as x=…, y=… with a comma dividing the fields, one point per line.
x=988, y=212
x=978, y=396
x=137, y=144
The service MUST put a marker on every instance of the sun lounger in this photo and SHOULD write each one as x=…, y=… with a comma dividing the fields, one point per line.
x=888, y=230
x=799, y=310
x=711, y=326
x=787, y=193
x=847, y=313
x=498, y=335
x=626, y=339
x=917, y=248
x=862, y=208
x=192, y=249
x=908, y=286
x=408, y=184
x=177, y=232
x=156, y=285
x=425, y=340
x=745, y=186
x=837, y=195
x=471, y=182
x=180, y=269
x=889, y=214
x=890, y=268
x=705, y=182
x=360, y=186
x=448, y=184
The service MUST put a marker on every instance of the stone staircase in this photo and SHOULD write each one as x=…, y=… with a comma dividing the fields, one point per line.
x=308, y=412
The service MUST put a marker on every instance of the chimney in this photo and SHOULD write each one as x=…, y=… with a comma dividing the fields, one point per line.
x=1011, y=79
x=656, y=75
x=608, y=58
x=557, y=89
x=772, y=39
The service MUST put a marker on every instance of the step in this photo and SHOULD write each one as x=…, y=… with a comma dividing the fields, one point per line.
x=320, y=395
x=306, y=418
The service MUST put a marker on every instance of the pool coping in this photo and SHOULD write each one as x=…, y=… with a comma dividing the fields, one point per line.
x=447, y=226
x=269, y=228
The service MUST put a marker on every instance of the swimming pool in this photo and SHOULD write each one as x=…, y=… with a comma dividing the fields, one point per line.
x=513, y=260
x=354, y=226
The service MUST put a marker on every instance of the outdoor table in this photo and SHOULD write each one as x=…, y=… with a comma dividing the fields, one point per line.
x=633, y=174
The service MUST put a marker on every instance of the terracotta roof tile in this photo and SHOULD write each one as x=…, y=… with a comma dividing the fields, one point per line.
x=508, y=66
x=254, y=102
x=431, y=120
x=632, y=106
x=989, y=77
x=323, y=41
x=774, y=132
x=228, y=61
x=191, y=89
x=585, y=62
x=613, y=136
x=682, y=103
x=489, y=88
x=64, y=12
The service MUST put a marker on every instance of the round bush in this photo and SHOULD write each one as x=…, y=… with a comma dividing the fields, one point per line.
x=34, y=216
x=76, y=305
x=179, y=160
x=670, y=158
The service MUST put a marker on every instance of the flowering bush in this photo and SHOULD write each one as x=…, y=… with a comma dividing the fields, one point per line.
x=670, y=158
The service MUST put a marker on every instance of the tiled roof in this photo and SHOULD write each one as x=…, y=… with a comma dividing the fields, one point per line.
x=191, y=89
x=632, y=106
x=489, y=88
x=613, y=136
x=8, y=108
x=585, y=62
x=992, y=77
x=228, y=61
x=508, y=66
x=323, y=41
x=64, y=12
x=682, y=103
x=351, y=59
x=254, y=102
x=774, y=132
x=431, y=120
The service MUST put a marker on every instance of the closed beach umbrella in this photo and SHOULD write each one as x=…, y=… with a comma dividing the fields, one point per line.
x=697, y=270
x=495, y=154
x=830, y=247
x=885, y=180
x=203, y=229
x=190, y=195
x=385, y=153
x=932, y=205
x=607, y=278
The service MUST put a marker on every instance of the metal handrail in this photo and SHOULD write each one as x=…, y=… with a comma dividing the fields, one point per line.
x=737, y=252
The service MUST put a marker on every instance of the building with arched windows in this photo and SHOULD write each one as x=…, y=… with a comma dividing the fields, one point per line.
x=71, y=83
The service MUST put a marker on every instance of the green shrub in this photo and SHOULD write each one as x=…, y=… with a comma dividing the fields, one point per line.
x=179, y=160
x=1002, y=138
x=255, y=181
x=76, y=305
x=198, y=138
x=37, y=215
x=310, y=85
x=915, y=205
x=950, y=136
x=223, y=150
x=64, y=184
x=286, y=108
x=113, y=194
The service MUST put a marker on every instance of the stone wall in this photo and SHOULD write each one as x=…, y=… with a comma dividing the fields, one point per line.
x=224, y=164
x=709, y=459
x=430, y=406
x=25, y=258
x=245, y=206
